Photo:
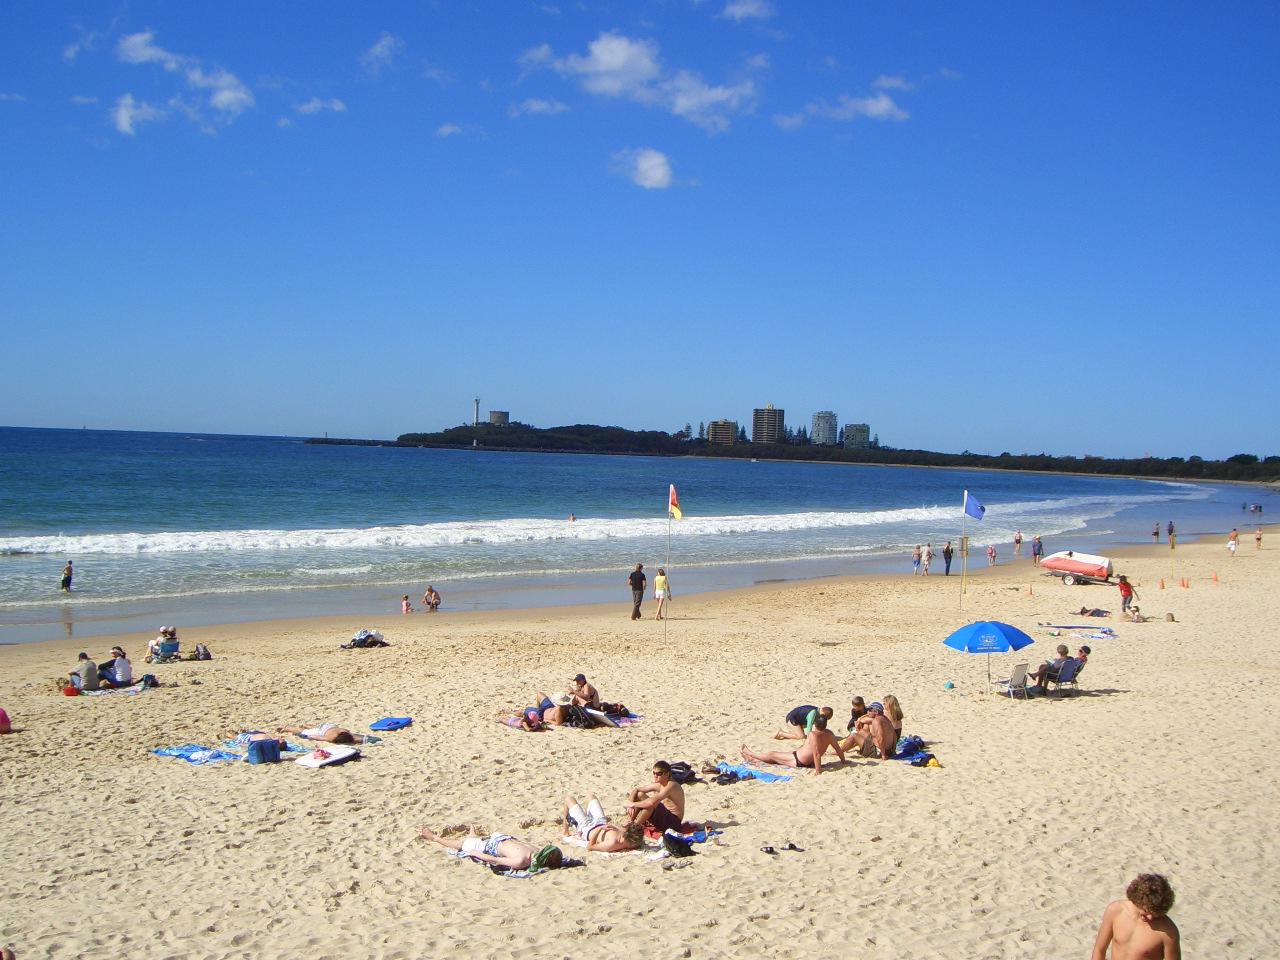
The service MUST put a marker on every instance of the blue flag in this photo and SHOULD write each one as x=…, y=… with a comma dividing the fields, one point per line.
x=972, y=507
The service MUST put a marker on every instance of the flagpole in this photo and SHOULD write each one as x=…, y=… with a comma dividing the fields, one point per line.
x=964, y=552
x=667, y=606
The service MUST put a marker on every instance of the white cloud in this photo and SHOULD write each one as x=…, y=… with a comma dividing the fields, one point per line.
x=225, y=92
x=615, y=66
x=12, y=98
x=788, y=121
x=83, y=101
x=382, y=54
x=535, y=106
x=740, y=10
x=878, y=107
x=446, y=130
x=890, y=82
x=759, y=62
x=621, y=67
x=646, y=168
x=437, y=74
x=316, y=105
x=127, y=113
x=284, y=123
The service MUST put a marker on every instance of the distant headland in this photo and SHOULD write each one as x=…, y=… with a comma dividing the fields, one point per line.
x=589, y=438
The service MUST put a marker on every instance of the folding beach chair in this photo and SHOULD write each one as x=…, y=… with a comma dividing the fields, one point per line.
x=167, y=652
x=1015, y=684
x=1067, y=676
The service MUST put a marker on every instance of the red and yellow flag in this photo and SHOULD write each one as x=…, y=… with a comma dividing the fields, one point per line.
x=673, y=504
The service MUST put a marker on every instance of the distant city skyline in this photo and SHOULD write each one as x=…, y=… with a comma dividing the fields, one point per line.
x=1025, y=228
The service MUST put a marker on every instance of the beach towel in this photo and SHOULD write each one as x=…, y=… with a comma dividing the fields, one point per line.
x=911, y=750
x=242, y=743
x=1099, y=635
x=746, y=772
x=136, y=688
x=391, y=723
x=565, y=864
x=196, y=755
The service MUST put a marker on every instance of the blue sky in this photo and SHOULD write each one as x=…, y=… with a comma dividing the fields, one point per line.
x=1004, y=227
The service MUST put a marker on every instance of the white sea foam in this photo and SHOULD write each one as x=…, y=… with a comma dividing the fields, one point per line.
x=532, y=530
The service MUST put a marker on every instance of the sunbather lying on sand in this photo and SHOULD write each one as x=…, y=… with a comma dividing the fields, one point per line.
x=500, y=850
x=325, y=733
x=819, y=740
x=594, y=827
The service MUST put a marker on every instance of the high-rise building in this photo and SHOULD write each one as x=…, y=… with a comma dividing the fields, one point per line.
x=768, y=425
x=857, y=436
x=499, y=418
x=722, y=431
x=823, y=433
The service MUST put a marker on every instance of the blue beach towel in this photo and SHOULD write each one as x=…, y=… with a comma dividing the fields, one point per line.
x=750, y=773
x=195, y=754
x=391, y=723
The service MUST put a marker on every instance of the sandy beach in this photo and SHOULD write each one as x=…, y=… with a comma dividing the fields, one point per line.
x=1039, y=815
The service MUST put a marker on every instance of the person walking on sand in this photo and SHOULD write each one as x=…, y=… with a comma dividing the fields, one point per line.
x=661, y=593
x=1127, y=594
x=915, y=561
x=1017, y=544
x=637, y=580
x=1155, y=532
x=66, y=578
x=1138, y=927
x=1169, y=529
x=1037, y=550
x=1257, y=539
x=1233, y=541
x=947, y=554
x=926, y=557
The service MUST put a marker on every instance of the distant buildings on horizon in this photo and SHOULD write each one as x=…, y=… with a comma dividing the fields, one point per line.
x=769, y=425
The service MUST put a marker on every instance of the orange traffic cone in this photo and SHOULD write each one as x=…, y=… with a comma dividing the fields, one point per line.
x=1215, y=576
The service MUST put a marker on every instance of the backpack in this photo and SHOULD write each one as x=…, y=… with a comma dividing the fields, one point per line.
x=682, y=773
x=202, y=652
x=576, y=716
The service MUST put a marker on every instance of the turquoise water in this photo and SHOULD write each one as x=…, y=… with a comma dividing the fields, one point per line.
x=175, y=526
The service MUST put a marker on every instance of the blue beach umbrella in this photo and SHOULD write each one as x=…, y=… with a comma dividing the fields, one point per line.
x=988, y=636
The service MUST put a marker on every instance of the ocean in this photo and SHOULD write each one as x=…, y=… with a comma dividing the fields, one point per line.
x=194, y=528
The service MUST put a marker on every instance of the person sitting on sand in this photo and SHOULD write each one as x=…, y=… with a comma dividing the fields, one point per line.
x=594, y=827
x=583, y=693
x=1049, y=671
x=1138, y=927
x=819, y=740
x=84, y=675
x=873, y=735
x=801, y=721
x=119, y=671
x=501, y=850
x=1135, y=615
x=431, y=599
x=660, y=803
x=857, y=709
x=893, y=712
x=325, y=733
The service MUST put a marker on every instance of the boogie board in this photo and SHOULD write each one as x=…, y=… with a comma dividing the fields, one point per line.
x=336, y=754
x=601, y=718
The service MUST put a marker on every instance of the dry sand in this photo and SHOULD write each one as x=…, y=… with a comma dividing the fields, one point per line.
x=1040, y=813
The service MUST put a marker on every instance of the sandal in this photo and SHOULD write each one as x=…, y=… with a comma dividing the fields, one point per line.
x=769, y=850
x=792, y=846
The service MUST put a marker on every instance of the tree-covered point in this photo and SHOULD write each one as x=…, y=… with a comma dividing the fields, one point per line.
x=588, y=438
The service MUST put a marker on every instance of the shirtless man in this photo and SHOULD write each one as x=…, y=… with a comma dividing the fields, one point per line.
x=1138, y=927
x=324, y=732
x=583, y=693
x=661, y=803
x=552, y=711
x=501, y=850
x=873, y=735
x=801, y=720
x=820, y=739
x=594, y=827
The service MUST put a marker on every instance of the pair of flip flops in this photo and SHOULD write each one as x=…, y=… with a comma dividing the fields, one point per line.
x=789, y=846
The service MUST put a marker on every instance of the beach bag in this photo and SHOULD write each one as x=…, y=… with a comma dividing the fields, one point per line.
x=148, y=681
x=202, y=652
x=263, y=751
x=909, y=745
x=681, y=772
x=676, y=846
x=576, y=716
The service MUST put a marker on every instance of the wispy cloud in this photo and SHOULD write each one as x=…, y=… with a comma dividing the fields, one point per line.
x=128, y=113
x=223, y=91
x=891, y=82
x=788, y=121
x=647, y=168
x=446, y=130
x=80, y=101
x=316, y=105
x=535, y=106
x=12, y=98
x=382, y=54
x=620, y=67
x=880, y=106
x=740, y=10
x=759, y=61
x=437, y=74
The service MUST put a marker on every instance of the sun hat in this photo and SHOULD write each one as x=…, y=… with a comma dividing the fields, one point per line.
x=561, y=700
x=548, y=858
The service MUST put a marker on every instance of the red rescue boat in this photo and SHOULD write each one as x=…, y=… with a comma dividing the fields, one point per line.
x=1075, y=567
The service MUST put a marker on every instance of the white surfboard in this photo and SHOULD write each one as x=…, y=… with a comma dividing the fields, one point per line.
x=601, y=718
